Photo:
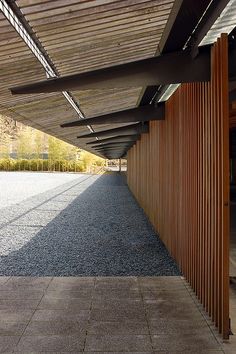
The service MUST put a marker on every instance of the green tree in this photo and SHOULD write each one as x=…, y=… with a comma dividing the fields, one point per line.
x=38, y=144
x=89, y=160
x=24, y=146
x=5, y=148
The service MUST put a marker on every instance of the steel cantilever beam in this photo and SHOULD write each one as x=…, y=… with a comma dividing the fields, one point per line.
x=121, y=138
x=137, y=128
x=175, y=67
x=138, y=114
x=122, y=143
x=113, y=147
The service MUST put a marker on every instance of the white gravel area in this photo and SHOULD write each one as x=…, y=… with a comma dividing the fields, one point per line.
x=18, y=186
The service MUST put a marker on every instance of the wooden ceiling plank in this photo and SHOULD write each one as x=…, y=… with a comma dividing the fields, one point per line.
x=122, y=7
x=66, y=26
x=73, y=40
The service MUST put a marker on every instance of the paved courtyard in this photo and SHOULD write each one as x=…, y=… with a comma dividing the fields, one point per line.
x=102, y=314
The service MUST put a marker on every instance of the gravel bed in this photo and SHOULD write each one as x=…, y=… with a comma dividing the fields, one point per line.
x=88, y=226
x=18, y=186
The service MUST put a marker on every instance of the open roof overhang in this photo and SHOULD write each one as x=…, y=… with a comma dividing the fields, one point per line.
x=187, y=24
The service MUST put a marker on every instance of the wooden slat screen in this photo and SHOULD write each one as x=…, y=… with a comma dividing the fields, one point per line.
x=179, y=173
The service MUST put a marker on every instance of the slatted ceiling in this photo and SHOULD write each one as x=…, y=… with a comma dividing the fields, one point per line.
x=97, y=102
x=50, y=105
x=124, y=15
x=85, y=8
x=114, y=26
x=48, y=117
x=3, y=20
x=83, y=66
x=115, y=59
x=90, y=35
x=104, y=23
x=12, y=51
x=48, y=4
x=86, y=49
x=56, y=7
x=55, y=40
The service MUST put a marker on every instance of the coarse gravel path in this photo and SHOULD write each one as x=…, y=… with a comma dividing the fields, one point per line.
x=76, y=225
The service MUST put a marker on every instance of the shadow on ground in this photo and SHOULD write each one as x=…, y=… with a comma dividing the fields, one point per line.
x=102, y=232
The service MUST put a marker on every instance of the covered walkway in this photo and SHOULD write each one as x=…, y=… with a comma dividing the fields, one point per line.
x=153, y=82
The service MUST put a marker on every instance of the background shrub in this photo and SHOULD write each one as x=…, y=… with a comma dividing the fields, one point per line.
x=7, y=164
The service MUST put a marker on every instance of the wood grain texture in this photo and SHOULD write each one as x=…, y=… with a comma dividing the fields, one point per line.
x=179, y=173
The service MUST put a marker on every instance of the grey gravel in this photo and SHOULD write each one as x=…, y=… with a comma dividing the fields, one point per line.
x=90, y=225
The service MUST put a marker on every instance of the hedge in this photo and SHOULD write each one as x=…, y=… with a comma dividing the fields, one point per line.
x=9, y=164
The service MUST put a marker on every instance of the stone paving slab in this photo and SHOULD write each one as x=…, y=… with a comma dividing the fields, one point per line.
x=103, y=315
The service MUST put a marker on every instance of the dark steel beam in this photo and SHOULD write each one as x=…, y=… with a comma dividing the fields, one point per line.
x=212, y=13
x=112, y=151
x=148, y=95
x=189, y=15
x=116, y=155
x=169, y=25
x=115, y=148
x=137, y=128
x=122, y=138
x=125, y=143
x=138, y=114
x=177, y=67
x=109, y=148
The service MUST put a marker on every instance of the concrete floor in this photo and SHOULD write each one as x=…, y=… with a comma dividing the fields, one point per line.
x=102, y=314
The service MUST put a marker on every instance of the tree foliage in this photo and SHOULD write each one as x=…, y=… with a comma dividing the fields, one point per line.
x=30, y=146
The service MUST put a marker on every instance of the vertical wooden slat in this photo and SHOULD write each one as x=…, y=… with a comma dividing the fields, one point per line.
x=179, y=173
x=224, y=242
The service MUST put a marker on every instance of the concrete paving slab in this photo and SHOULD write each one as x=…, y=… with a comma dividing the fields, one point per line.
x=53, y=327
x=184, y=342
x=118, y=343
x=51, y=343
x=124, y=327
x=71, y=304
x=102, y=319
